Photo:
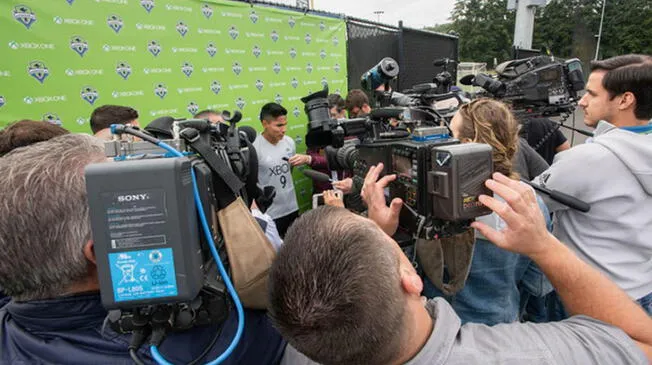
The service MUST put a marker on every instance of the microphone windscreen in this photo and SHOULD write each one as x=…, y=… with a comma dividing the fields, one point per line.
x=161, y=127
x=439, y=62
x=249, y=132
x=467, y=80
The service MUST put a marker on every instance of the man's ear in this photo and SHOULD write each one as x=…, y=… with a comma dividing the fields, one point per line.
x=627, y=100
x=366, y=109
x=89, y=252
x=411, y=281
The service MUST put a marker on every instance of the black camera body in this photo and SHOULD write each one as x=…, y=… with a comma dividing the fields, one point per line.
x=438, y=178
x=543, y=85
x=155, y=264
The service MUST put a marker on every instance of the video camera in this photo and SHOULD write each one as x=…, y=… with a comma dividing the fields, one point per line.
x=536, y=86
x=439, y=179
x=157, y=271
x=437, y=96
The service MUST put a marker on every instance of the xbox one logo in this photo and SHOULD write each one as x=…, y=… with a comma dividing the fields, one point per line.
x=13, y=45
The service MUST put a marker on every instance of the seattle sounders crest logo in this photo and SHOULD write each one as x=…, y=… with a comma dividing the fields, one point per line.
x=160, y=90
x=182, y=28
x=216, y=87
x=259, y=85
x=187, y=69
x=294, y=82
x=115, y=22
x=233, y=32
x=193, y=108
x=278, y=99
x=276, y=67
x=52, y=118
x=2, y=101
x=79, y=45
x=256, y=51
x=253, y=16
x=38, y=70
x=123, y=69
x=89, y=94
x=24, y=15
x=237, y=68
x=296, y=112
x=274, y=35
x=154, y=48
x=240, y=103
x=211, y=49
x=147, y=4
x=293, y=53
x=207, y=11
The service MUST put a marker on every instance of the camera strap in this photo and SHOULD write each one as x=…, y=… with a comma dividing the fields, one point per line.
x=216, y=164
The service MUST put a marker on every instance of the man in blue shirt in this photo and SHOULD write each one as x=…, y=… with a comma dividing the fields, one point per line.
x=49, y=270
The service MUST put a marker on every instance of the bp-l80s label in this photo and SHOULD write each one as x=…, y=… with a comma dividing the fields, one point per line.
x=146, y=274
x=136, y=218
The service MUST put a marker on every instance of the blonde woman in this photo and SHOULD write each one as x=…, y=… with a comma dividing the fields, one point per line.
x=491, y=294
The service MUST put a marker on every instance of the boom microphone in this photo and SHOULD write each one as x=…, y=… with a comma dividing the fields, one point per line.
x=317, y=176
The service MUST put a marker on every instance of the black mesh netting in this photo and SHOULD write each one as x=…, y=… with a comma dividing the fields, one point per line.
x=420, y=49
x=367, y=45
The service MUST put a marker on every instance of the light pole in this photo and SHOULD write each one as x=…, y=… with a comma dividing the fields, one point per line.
x=379, y=13
x=597, y=47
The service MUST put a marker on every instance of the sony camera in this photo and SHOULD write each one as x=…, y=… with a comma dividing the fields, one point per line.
x=155, y=264
x=438, y=179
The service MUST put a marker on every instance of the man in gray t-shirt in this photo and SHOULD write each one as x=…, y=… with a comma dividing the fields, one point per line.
x=354, y=298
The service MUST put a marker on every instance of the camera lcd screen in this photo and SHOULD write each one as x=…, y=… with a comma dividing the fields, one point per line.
x=402, y=165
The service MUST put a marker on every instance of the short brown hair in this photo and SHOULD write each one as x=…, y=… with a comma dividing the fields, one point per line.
x=633, y=73
x=26, y=132
x=356, y=98
x=490, y=121
x=104, y=116
x=335, y=291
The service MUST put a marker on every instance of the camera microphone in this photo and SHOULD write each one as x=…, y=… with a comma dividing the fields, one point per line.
x=386, y=113
x=317, y=176
x=467, y=80
x=440, y=62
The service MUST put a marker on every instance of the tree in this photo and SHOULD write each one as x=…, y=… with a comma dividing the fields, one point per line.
x=441, y=28
x=485, y=29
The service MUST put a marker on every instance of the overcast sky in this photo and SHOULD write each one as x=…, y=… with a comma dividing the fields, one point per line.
x=414, y=13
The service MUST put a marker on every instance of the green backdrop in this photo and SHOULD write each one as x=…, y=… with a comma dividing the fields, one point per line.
x=63, y=58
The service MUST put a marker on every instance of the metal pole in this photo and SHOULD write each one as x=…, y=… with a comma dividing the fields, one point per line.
x=379, y=13
x=597, y=47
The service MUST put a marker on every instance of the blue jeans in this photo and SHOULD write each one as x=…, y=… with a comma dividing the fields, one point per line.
x=646, y=303
x=491, y=295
